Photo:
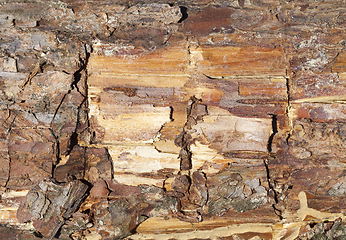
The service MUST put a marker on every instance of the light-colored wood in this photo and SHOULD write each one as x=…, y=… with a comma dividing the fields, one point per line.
x=215, y=119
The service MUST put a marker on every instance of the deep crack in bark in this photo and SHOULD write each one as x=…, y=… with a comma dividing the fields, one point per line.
x=8, y=149
x=277, y=211
x=184, y=183
x=274, y=131
x=195, y=112
x=57, y=142
x=77, y=76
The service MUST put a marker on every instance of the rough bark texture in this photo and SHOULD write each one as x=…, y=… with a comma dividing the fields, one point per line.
x=172, y=120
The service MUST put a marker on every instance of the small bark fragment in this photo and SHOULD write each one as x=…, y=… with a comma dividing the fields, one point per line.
x=49, y=205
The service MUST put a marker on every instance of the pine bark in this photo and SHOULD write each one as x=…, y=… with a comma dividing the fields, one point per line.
x=172, y=120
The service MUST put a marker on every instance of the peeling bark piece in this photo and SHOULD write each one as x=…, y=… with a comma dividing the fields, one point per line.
x=140, y=36
x=129, y=206
x=154, y=11
x=99, y=190
x=185, y=159
x=227, y=190
x=122, y=190
x=198, y=190
x=48, y=205
x=263, y=89
x=162, y=204
x=97, y=131
x=98, y=164
x=339, y=63
x=33, y=154
x=209, y=20
x=181, y=184
x=48, y=228
x=195, y=112
x=113, y=219
x=75, y=165
x=253, y=98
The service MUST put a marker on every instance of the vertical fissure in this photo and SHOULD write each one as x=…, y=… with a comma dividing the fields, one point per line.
x=277, y=211
x=185, y=181
x=8, y=149
x=57, y=142
x=274, y=131
x=77, y=76
x=195, y=111
x=266, y=165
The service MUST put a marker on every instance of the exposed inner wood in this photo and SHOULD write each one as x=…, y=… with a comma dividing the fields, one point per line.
x=172, y=120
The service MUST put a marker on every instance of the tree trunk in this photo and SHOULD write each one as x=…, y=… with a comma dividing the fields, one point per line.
x=172, y=120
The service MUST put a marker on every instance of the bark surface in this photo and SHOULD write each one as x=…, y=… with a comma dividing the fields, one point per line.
x=172, y=120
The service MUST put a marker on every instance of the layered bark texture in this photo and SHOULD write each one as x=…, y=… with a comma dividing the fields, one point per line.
x=172, y=119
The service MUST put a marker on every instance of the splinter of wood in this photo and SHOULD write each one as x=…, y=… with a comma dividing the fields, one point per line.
x=32, y=74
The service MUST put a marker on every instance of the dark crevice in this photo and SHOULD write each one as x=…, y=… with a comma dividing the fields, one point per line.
x=80, y=107
x=11, y=124
x=58, y=233
x=288, y=138
x=77, y=76
x=84, y=162
x=111, y=163
x=241, y=3
x=213, y=78
x=57, y=153
x=8, y=151
x=72, y=143
x=288, y=106
x=277, y=211
x=266, y=164
x=288, y=91
x=57, y=109
x=171, y=114
x=184, y=14
x=265, y=161
x=270, y=181
x=37, y=234
x=274, y=131
x=33, y=115
x=277, y=17
x=83, y=68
